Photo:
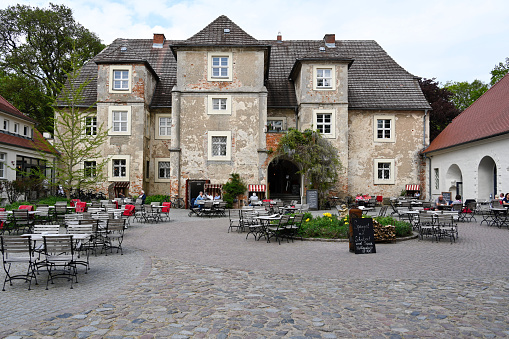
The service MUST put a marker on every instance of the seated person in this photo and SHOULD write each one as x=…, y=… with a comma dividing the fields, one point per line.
x=457, y=200
x=359, y=197
x=198, y=198
x=253, y=200
x=440, y=201
x=217, y=197
x=505, y=201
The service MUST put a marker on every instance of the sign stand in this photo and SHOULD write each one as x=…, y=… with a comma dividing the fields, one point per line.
x=361, y=233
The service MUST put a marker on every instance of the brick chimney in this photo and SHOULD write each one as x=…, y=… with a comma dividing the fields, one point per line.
x=330, y=40
x=279, y=37
x=158, y=41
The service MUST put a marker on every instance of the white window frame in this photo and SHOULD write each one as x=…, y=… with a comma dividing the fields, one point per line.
x=127, y=68
x=127, y=159
x=228, y=135
x=210, y=104
x=158, y=161
x=392, y=129
x=112, y=109
x=3, y=166
x=211, y=56
x=6, y=125
x=332, y=113
x=94, y=174
x=158, y=126
x=283, y=124
x=92, y=126
x=332, y=69
x=392, y=173
x=16, y=128
x=26, y=131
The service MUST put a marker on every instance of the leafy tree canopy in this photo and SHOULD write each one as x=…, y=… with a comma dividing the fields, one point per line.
x=35, y=51
x=465, y=93
x=499, y=71
x=443, y=109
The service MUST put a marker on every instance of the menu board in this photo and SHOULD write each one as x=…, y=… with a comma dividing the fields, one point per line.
x=447, y=196
x=312, y=199
x=363, y=235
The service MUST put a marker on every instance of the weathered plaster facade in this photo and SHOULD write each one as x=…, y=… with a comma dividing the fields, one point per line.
x=218, y=103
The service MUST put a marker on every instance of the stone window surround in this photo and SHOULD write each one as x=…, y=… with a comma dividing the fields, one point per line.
x=392, y=130
x=392, y=174
x=211, y=55
x=128, y=68
x=157, y=127
x=332, y=112
x=127, y=158
x=90, y=123
x=93, y=168
x=228, y=135
x=157, y=161
x=127, y=109
x=210, y=105
x=333, y=77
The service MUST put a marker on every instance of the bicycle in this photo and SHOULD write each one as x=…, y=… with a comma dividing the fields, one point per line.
x=177, y=202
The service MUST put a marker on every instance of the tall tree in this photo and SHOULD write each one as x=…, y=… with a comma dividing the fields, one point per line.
x=499, y=71
x=443, y=109
x=78, y=137
x=465, y=93
x=317, y=157
x=35, y=48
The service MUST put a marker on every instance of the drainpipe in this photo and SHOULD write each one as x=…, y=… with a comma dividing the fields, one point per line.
x=424, y=147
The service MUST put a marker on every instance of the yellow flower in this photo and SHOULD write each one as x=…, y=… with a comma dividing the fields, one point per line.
x=346, y=223
x=327, y=215
x=307, y=219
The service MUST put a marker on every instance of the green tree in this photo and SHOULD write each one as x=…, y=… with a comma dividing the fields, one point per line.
x=76, y=138
x=465, y=93
x=35, y=50
x=317, y=157
x=499, y=71
x=442, y=107
x=233, y=188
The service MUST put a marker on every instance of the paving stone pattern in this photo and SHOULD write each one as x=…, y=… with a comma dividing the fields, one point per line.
x=189, y=278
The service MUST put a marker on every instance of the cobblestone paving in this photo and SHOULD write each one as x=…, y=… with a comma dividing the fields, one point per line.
x=190, y=279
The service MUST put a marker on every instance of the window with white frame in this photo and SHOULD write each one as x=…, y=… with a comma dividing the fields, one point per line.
x=384, y=171
x=219, y=145
x=90, y=169
x=220, y=67
x=384, y=128
x=324, y=77
x=91, y=125
x=437, y=179
x=324, y=121
x=16, y=128
x=6, y=125
x=120, y=79
x=26, y=130
x=163, y=126
x=3, y=159
x=163, y=170
x=119, y=120
x=118, y=168
x=219, y=104
x=276, y=124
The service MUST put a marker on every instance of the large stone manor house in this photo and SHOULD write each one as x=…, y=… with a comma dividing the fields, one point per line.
x=185, y=114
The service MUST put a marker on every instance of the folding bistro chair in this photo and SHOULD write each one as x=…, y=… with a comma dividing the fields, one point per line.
x=18, y=250
x=60, y=260
x=114, y=235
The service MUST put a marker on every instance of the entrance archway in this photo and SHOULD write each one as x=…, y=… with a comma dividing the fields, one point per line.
x=283, y=179
x=487, y=178
x=454, y=178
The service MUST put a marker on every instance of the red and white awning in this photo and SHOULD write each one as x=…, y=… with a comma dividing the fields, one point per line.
x=257, y=188
x=412, y=187
x=213, y=186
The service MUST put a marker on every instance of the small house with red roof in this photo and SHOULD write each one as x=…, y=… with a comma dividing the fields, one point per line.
x=22, y=146
x=470, y=157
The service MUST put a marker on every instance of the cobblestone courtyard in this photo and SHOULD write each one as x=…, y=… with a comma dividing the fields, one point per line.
x=189, y=278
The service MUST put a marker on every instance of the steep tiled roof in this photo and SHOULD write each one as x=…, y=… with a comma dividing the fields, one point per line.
x=8, y=108
x=375, y=80
x=487, y=117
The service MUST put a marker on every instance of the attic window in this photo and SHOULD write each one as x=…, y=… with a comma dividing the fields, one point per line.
x=226, y=31
x=322, y=49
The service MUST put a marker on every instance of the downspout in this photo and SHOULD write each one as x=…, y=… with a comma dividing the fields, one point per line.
x=424, y=147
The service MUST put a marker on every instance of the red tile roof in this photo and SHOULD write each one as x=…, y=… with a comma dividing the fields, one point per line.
x=487, y=117
x=8, y=108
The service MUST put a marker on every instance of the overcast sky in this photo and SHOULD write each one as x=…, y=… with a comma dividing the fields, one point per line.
x=448, y=40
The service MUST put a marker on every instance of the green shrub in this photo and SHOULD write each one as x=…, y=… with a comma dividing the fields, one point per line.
x=157, y=198
x=328, y=226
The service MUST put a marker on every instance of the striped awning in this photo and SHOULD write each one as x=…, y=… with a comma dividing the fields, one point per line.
x=257, y=188
x=121, y=184
x=412, y=188
x=213, y=186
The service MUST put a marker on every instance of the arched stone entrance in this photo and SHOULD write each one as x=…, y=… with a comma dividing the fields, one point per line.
x=454, y=179
x=283, y=179
x=487, y=178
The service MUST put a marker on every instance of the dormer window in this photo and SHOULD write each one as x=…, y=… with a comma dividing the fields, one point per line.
x=6, y=125
x=220, y=67
x=120, y=79
x=324, y=77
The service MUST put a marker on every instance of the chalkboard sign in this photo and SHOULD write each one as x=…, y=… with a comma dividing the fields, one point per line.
x=447, y=196
x=312, y=199
x=363, y=235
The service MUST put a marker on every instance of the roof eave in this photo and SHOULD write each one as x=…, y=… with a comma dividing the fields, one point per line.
x=465, y=142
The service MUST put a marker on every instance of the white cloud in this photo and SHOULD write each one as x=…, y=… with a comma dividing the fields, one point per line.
x=429, y=39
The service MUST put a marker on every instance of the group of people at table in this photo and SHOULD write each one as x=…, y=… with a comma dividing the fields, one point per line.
x=440, y=201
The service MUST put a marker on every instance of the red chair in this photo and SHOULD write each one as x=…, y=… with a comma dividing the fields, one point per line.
x=74, y=201
x=128, y=212
x=81, y=206
x=26, y=207
x=167, y=207
x=379, y=200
